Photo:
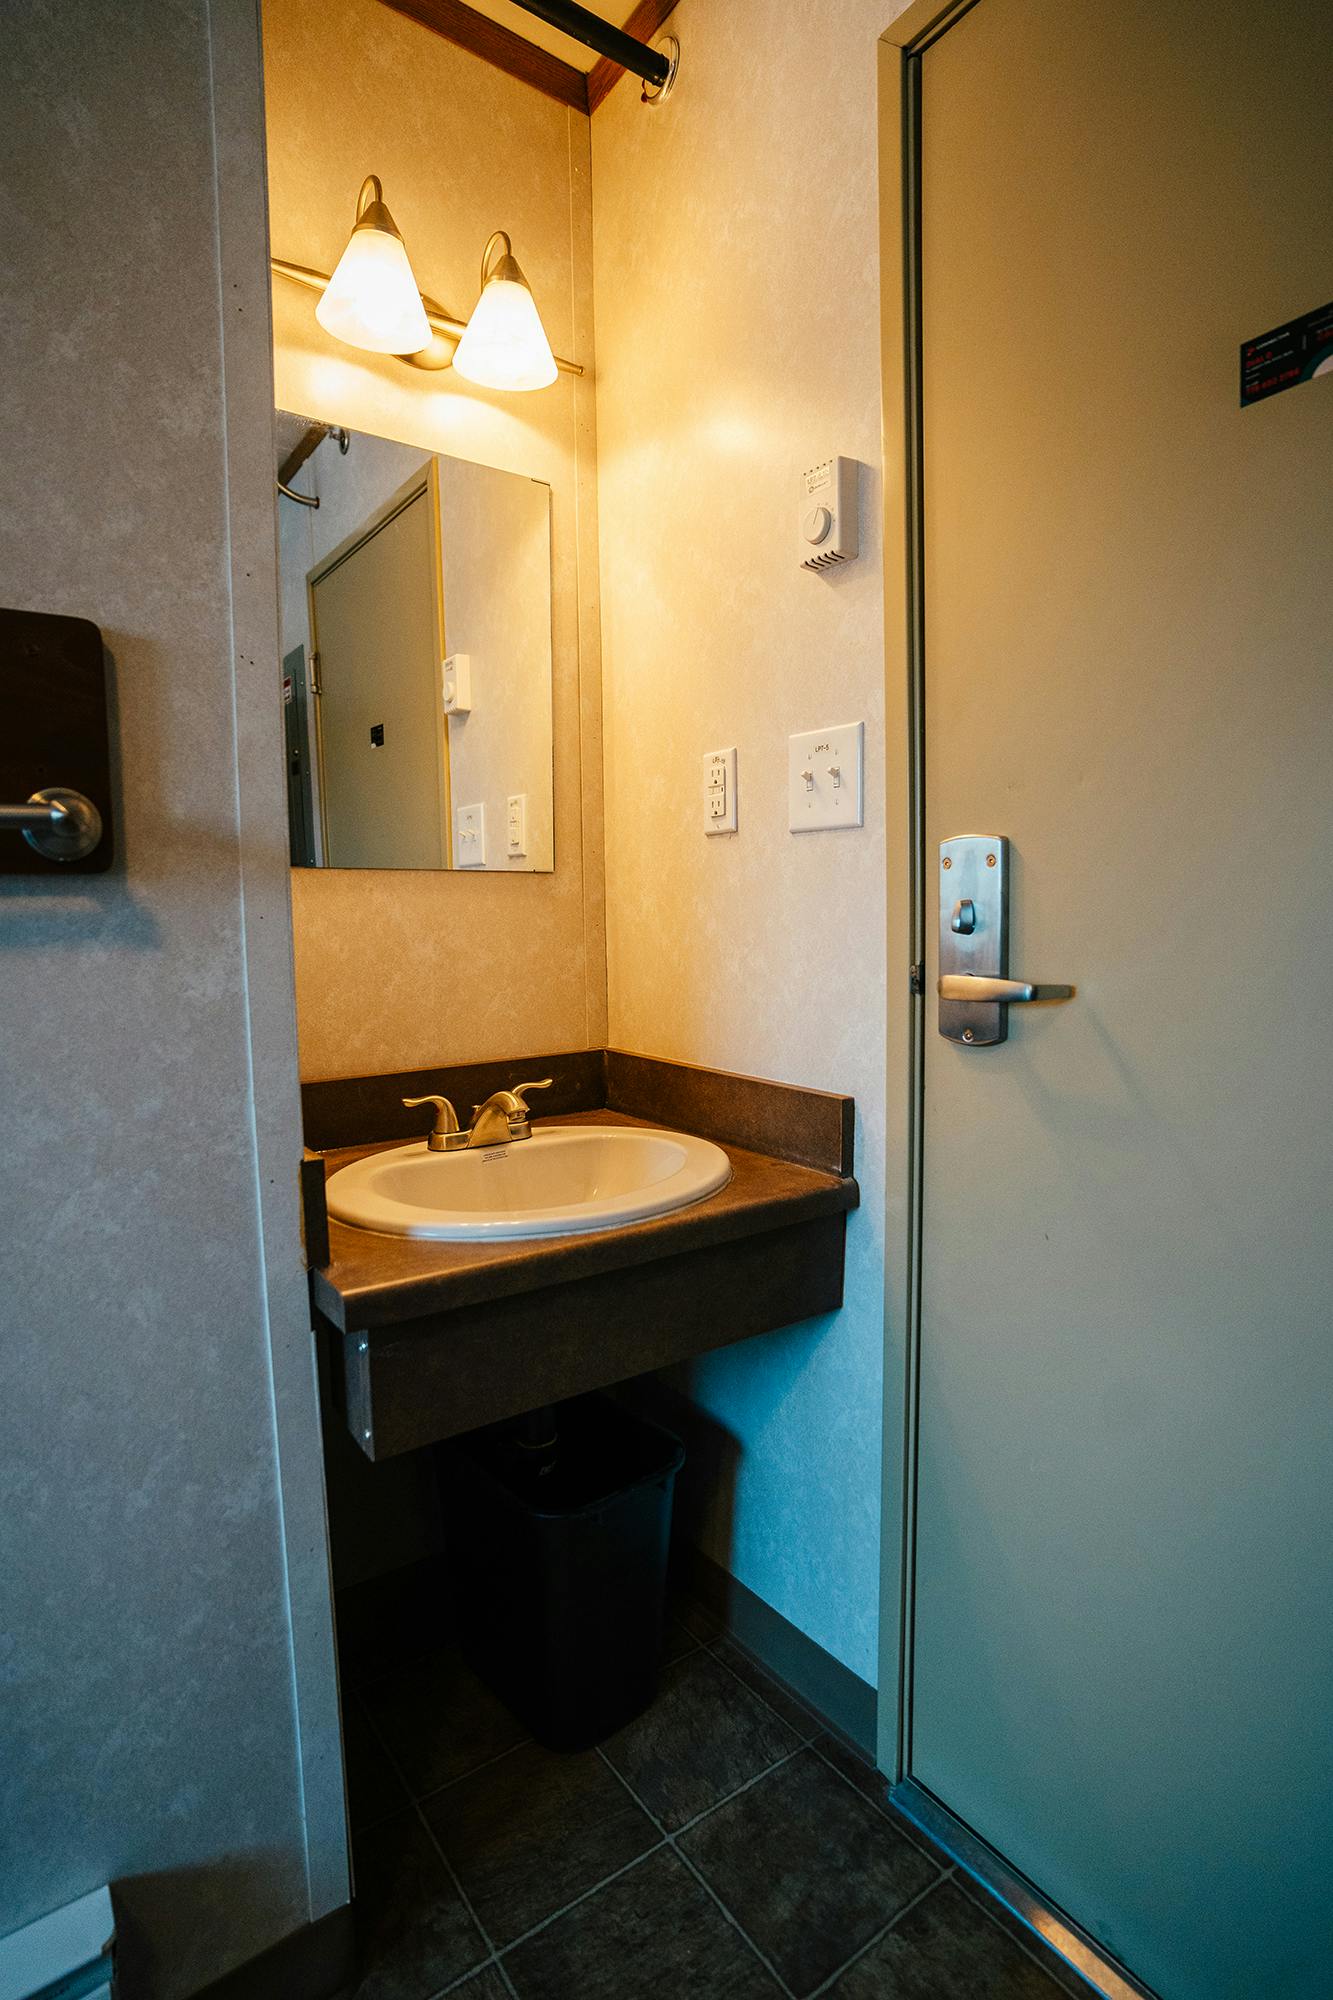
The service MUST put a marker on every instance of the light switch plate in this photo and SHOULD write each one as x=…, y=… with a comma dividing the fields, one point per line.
x=469, y=837
x=516, y=823
x=825, y=778
x=719, y=791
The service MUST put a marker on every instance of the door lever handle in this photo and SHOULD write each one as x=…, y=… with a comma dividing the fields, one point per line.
x=978, y=987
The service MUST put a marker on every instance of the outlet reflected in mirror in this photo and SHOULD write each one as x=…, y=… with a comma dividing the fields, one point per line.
x=416, y=656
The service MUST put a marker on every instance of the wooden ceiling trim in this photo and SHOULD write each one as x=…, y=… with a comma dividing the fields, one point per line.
x=515, y=54
x=643, y=23
x=501, y=46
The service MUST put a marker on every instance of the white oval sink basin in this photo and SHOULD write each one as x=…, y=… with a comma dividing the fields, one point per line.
x=566, y=1180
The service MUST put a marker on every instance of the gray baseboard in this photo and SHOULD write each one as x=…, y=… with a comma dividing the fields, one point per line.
x=318, y=1962
x=840, y=1697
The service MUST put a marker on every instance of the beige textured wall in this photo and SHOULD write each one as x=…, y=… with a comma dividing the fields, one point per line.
x=169, y=1717
x=737, y=337
x=496, y=533
x=411, y=968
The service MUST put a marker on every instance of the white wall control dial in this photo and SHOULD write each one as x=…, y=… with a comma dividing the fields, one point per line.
x=828, y=513
x=719, y=791
x=456, y=684
x=824, y=778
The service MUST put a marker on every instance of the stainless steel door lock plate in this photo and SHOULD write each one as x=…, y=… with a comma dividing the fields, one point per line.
x=975, y=990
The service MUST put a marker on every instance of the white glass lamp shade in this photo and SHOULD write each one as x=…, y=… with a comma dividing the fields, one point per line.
x=504, y=344
x=372, y=300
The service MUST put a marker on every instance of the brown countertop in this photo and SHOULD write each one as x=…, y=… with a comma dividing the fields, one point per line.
x=375, y=1280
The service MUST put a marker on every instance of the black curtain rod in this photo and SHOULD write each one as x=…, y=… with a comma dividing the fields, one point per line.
x=595, y=33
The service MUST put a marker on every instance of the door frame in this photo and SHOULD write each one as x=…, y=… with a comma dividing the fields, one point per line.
x=910, y=906
x=425, y=481
x=899, y=51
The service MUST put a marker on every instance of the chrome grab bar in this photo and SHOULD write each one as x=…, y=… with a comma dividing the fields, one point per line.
x=977, y=986
x=62, y=825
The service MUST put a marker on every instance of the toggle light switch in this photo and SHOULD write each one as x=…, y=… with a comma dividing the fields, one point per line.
x=470, y=837
x=824, y=778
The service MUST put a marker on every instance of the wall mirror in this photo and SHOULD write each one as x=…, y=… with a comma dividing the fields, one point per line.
x=416, y=656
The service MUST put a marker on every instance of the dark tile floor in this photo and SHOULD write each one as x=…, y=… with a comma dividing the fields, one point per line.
x=722, y=1847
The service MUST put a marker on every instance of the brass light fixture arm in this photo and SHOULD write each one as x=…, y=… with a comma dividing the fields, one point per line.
x=441, y=322
x=496, y=236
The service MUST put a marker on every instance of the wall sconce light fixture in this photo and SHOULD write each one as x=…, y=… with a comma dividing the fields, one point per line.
x=372, y=301
x=504, y=345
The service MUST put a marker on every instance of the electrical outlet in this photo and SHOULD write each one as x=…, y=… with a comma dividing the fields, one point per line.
x=720, y=791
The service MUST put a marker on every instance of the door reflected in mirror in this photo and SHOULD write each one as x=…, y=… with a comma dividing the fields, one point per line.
x=416, y=656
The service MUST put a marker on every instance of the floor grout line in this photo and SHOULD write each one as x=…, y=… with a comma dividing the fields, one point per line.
x=750, y=1783
x=475, y=1972
x=669, y=1841
x=368, y=1715
x=486, y=1764
x=895, y=1821
x=880, y=1935
x=640, y=1803
x=594, y=1889
x=734, y=1921
x=946, y=1869
x=452, y=1873
x=492, y=1956
x=687, y=1826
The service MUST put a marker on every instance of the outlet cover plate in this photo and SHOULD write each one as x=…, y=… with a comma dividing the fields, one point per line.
x=719, y=791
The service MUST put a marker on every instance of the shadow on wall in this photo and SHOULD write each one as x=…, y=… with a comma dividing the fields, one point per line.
x=382, y=1517
x=153, y=1909
x=705, y=1501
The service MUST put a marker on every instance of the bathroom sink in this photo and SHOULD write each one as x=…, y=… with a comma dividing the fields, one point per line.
x=563, y=1181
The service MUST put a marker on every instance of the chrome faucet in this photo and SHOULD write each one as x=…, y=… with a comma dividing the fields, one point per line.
x=504, y=1116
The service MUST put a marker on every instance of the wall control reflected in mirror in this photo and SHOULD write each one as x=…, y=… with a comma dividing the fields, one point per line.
x=416, y=654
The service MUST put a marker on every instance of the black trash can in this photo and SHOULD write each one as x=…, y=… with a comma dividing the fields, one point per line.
x=557, y=1536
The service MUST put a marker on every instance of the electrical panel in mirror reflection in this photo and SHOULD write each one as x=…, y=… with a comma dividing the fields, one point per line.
x=409, y=562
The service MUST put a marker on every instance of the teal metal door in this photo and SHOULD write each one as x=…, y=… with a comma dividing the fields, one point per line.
x=1123, y=1603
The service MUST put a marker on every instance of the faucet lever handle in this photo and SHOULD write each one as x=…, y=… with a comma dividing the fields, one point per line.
x=446, y=1118
x=520, y=1090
